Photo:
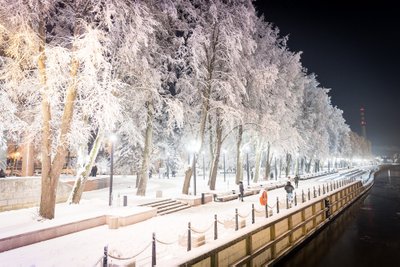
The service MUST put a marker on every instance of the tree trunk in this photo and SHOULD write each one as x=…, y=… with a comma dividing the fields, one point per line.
x=218, y=141
x=83, y=172
x=51, y=170
x=239, y=167
x=257, y=160
x=308, y=166
x=211, y=148
x=204, y=114
x=268, y=162
x=288, y=164
x=141, y=191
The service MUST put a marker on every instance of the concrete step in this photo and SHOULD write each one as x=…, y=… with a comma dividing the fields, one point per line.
x=170, y=206
x=166, y=206
x=154, y=204
x=178, y=208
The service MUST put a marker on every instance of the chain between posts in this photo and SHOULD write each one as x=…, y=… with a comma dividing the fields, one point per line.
x=325, y=189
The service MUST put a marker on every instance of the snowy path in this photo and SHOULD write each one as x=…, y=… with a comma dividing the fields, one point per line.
x=85, y=248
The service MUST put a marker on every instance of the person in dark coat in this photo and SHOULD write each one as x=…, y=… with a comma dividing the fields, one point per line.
x=2, y=173
x=93, y=172
x=241, y=191
x=289, y=191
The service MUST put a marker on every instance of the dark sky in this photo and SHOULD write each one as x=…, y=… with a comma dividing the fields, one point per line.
x=354, y=50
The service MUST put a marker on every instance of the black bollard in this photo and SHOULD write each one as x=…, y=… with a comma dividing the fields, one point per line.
x=277, y=205
x=302, y=196
x=189, y=241
x=215, y=227
x=266, y=210
x=105, y=256
x=309, y=194
x=153, y=251
x=236, y=220
x=252, y=214
x=125, y=201
x=295, y=199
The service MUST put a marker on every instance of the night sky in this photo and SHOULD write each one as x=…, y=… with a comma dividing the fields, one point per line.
x=354, y=50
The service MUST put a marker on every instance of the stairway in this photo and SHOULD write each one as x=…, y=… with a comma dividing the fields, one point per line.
x=167, y=206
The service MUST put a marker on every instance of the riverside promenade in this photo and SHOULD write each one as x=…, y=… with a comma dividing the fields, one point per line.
x=134, y=242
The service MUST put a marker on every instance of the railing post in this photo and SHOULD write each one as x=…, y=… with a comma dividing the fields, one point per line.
x=215, y=227
x=266, y=210
x=277, y=205
x=236, y=220
x=287, y=202
x=153, y=252
x=302, y=196
x=105, y=256
x=323, y=189
x=189, y=241
x=295, y=199
x=252, y=214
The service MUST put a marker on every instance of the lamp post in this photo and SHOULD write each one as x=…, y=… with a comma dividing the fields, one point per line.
x=224, y=166
x=167, y=165
x=194, y=173
x=248, y=168
x=195, y=148
x=204, y=166
x=113, y=138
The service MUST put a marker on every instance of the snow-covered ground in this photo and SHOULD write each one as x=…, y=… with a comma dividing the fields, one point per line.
x=85, y=248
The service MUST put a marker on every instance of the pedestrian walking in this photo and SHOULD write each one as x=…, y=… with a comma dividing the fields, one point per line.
x=263, y=196
x=296, y=180
x=2, y=173
x=93, y=171
x=289, y=191
x=241, y=191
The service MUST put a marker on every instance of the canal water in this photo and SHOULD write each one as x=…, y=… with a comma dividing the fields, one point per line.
x=366, y=234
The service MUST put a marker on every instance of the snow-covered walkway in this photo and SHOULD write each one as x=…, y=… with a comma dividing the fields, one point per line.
x=85, y=248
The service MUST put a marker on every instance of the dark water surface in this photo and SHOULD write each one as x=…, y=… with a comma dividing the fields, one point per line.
x=366, y=234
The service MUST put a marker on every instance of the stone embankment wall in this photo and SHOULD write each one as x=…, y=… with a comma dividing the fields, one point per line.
x=273, y=240
x=24, y=192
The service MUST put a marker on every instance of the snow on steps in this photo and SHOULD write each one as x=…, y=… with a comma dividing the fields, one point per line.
x=167, y=206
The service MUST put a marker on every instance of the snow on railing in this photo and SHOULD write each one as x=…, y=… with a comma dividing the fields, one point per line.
x=195, y=237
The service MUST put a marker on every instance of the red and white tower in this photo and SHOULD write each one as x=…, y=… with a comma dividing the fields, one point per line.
x=363, y=123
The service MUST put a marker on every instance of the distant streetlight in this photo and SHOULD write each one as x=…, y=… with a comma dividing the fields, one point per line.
x=223, y=152
x=195, y=146
x=246, y=149
x=113, y=139
x=204, y=167
x=167, y=165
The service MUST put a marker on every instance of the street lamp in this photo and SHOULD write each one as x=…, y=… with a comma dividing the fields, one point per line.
x=204, y=167
x=248, y=168
x=223, y=151
x=246, y=149
x=167, y=165
x=113, y=139
x=195, y=148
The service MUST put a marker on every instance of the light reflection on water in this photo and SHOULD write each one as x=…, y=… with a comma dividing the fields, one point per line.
x=366, y=234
